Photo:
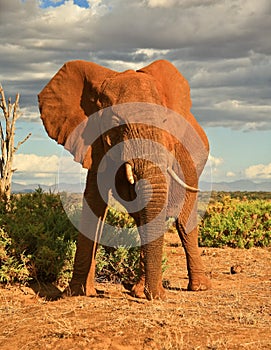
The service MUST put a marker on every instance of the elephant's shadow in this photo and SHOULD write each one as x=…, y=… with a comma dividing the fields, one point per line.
x=50, y=292
x=166, y=284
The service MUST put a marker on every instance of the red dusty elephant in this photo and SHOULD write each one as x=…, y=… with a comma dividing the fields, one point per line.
x=138, y=123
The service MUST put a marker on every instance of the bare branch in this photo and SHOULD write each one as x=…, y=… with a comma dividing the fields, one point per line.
x=10, y=107
x=16, y=115
x=3, y=102
x=21, y=142
x=1, y=132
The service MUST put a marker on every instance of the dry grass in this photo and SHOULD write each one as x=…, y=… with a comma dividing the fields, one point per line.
x=235, y=314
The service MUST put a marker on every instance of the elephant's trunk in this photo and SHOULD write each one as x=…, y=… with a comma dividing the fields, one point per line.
x=152, y=194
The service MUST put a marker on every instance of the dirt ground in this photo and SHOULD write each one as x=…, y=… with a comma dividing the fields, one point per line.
x=235, y=314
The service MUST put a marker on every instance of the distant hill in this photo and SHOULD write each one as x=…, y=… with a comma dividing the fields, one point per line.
x=63, y=187
x=241, y=185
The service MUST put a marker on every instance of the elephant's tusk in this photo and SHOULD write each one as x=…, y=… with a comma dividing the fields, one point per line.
x=129, y=173
x=180, y=182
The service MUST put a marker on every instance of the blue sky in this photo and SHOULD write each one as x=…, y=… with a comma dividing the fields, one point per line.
x=52, y=3
x=222, y=48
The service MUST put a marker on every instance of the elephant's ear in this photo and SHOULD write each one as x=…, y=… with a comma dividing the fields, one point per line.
x=172, y=86
x=70, y=98
x=175, y=92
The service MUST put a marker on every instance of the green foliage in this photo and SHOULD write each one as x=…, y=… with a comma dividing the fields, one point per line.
x=11, y=268
x=118, y=264
x=37, y=240
x=237, y=223
x=37, y=237
x=120, y=230
x=242, y=195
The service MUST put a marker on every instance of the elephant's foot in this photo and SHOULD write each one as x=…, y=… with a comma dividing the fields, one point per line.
x=138, y=289
x=73, y=292
x=78, y=289
x=198, y=283
x=159, y=293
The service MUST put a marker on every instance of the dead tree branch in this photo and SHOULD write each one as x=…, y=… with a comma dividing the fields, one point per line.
x=11, y=114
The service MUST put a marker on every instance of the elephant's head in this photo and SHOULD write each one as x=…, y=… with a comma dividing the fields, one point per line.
x=80, y=89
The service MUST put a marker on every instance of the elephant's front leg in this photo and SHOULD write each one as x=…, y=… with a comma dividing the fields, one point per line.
x=149, y=283
x=82, y=282
x=91, y=226
x=83, y=279
x=153, y=252
x=150, y=286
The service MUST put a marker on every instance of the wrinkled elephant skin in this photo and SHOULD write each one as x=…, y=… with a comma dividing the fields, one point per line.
x=84, y=93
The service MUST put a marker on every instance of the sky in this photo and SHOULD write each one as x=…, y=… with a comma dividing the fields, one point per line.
x=223, y=48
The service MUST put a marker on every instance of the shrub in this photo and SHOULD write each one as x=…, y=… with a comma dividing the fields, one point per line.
x=38, y=236
x=237, y=223
x=117, y=264
x=11, y=268
x=37, y=241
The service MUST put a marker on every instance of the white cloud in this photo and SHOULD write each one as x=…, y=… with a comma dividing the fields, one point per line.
x=160, y=3
x=36, y=164
x=212, y=168
x=182, y=3
x=31, y=168
x=29, y=114
x=221, y=47
x=230, y=174
x=259, y=171
x=215, y=161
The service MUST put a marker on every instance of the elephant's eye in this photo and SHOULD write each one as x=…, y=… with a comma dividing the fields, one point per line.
x=112, y=137
x=108, y=140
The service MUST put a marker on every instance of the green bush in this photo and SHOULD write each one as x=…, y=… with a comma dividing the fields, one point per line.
x=36, y=237
x=11, y=268
x=37, y=240
x=237, y=223
x=117, y=264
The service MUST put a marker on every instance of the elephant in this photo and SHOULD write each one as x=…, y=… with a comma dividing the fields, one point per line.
x=91, y=110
